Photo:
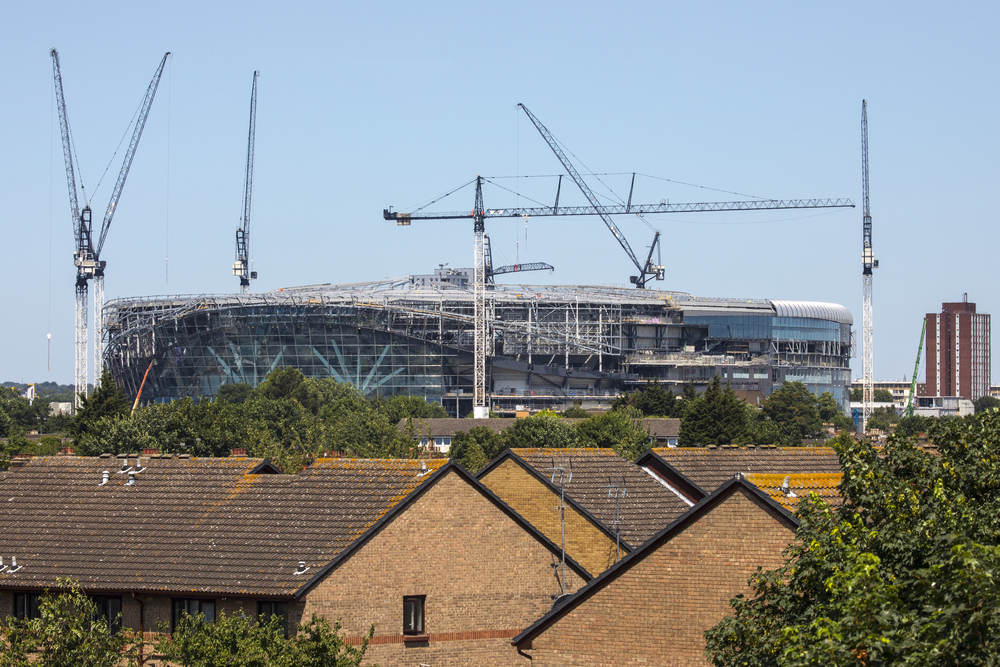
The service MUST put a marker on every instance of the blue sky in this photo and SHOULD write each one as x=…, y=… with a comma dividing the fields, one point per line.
x=366, y=105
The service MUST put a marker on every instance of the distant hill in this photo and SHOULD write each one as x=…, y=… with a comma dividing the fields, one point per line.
x=49, y=390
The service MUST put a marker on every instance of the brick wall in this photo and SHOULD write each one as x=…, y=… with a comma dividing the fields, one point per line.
x=586, y=543
x=485, y=578
x=657, y=611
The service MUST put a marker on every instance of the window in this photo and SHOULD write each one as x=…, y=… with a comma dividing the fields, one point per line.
x=111, y=609
x=265, y=610
x=26, y=605
x=413, y=615
x=192, y=607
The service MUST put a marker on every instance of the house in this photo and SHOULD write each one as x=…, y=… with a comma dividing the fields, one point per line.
x=654, y=606
x=357, y=540
x=697, y=471
x=612, y=506
x=438, y=432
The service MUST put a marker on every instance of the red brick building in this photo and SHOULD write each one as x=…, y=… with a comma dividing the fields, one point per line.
x=446, y=571
x=653, y=607
x=958, y=352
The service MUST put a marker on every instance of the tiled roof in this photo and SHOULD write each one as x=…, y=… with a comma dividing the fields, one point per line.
x=197, y=525
x=800, y=485
x=646, y=507
x=662, y=427
x=710, y=467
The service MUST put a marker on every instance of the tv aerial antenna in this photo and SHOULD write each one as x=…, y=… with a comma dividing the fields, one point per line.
x=619, y=491
x=565, y=472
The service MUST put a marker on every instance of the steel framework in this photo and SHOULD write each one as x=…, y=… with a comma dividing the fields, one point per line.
x=241, y=267
x=868, y=263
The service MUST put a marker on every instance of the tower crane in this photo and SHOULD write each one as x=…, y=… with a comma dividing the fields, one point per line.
x=87, y=254
x=916, y=369
x=241, y=267
x=480, y=213
x=868, y=263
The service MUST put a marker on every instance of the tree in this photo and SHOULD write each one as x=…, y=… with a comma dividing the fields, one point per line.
x=236, y=392
x=912, y=426
x=237, y=641
x=717, y=417
x=106, y=401
x=882, y=396
x=69, y=631
x=905, y=572
x=576, y=413
x=984, y=403
x=882, y=419
x=857, y=395
x=474, y=448
x=539, y=431
x=620, y=430
x=793, y=408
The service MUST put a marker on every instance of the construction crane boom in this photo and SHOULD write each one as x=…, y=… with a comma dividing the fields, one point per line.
x=514, y=268
x=140, y=124
x=67, y=142
x=241, y=267
x=916, y=369
x=693, y=207
x=639, y=280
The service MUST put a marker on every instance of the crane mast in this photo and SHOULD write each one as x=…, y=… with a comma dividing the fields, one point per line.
x=87, y=254
x=916, y=369
x=868, y=263
x=241, y=267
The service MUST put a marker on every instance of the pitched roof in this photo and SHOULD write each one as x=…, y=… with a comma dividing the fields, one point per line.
x=710, y=467
x=572, y=601
x=645, y=507
x=823, y=484
x=195, y=525
x=662, y=427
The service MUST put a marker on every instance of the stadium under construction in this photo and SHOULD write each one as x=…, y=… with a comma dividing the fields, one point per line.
x=549, y=346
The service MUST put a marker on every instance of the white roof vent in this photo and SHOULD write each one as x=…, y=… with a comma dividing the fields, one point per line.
x=125, y=466
x=302, y=569
x=786, y=488
x=105, y=477
x=131, y=479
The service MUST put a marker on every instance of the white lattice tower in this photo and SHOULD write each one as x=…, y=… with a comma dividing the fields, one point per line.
x=868, y=263
x=80, y=346
x=479, y=407
x=869, y=356
x=98, y=329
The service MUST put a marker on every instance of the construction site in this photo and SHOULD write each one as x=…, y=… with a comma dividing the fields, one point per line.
x=456, y=336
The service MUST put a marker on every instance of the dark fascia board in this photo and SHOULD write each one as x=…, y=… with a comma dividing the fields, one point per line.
x=103, y=589
x=674, y=476
x=509, y=454
x=435, y=477
x=265, y=468
x=648, y=547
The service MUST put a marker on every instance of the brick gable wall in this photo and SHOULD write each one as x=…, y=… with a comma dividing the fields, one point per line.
x=537, y=503
x=485, y=577
x=657, y=611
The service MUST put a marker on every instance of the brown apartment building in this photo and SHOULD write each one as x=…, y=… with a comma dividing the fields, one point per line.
x=958, y=352
x=446, y=570
x=654, y=606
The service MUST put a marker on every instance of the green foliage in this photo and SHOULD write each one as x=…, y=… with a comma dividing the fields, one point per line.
x=795, y=411
x=882, y=418
x=882, y=396
x=984, y=403
x=540, y=431
x=236, y=392
x=576, y=413
x=68, y=632
x=106, y=401
x=909, y=427
x=857, y=395
x=906, y=572
x=236, y=641
x=651, y=401
x=717, y=417
x=474, y=448
x=619, y=429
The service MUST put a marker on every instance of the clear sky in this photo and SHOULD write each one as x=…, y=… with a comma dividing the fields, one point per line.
x=366, y=105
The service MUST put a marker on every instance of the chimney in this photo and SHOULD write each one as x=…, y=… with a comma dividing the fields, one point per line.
x=66, y=451
x=19, y=460
x=150, y=451
x=239, y=451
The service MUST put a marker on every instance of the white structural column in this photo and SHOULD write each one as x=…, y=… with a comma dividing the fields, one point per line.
x=98, y=329
x=80, y=363
x=480, y=409
x=869, y=354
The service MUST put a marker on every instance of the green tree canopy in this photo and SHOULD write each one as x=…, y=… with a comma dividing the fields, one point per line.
x=717, y=417
x=474, y=448
x=882, y=396
x=984, y=403
x=795, y=411
x=540, y=431
x=905, y=573
x=106, y=401
x=621, y=430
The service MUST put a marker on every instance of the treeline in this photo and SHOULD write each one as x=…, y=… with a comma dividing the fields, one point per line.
x=716, y=417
